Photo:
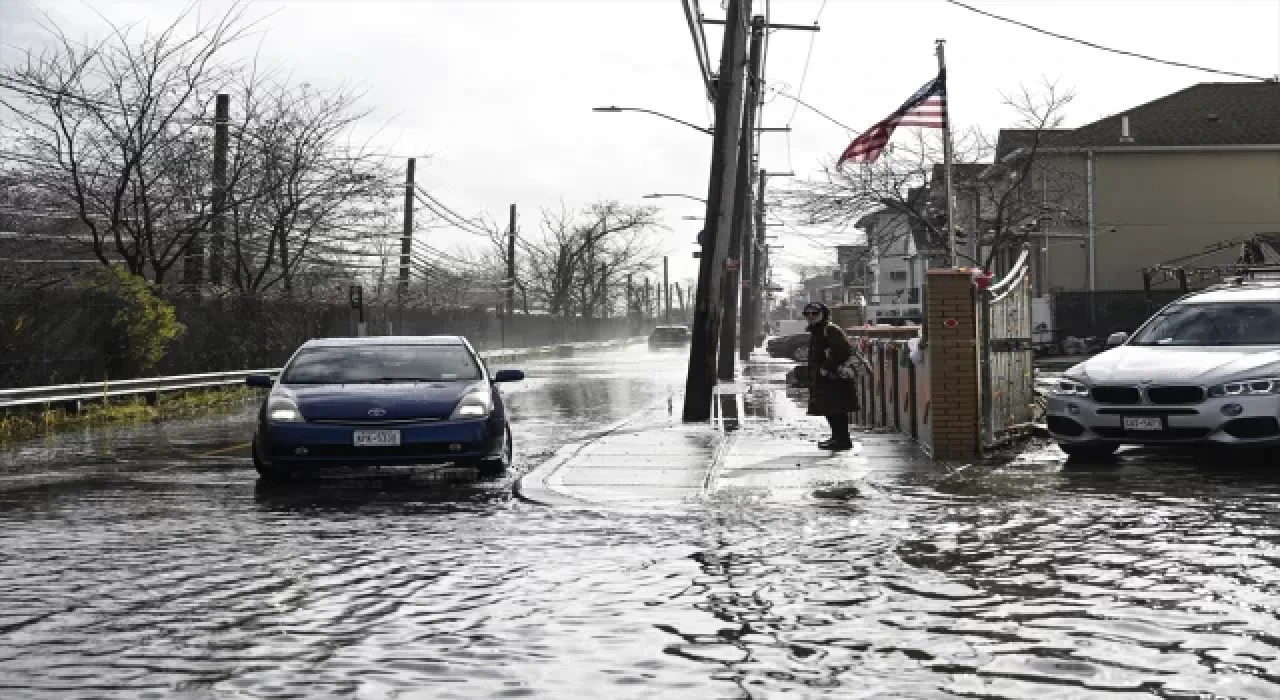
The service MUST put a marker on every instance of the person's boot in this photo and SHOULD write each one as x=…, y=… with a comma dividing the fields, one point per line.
x=840, y=446
x=824, y=444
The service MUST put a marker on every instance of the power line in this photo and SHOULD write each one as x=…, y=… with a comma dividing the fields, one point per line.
x=813, y=36
x=1100, y=47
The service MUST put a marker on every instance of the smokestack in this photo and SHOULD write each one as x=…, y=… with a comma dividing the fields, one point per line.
x=1124, y=130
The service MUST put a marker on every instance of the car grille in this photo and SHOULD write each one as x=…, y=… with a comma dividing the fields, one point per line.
x=374, y=421
x=1175, y=394
x=417, y=450
x=1117, y=394
x=1167, y=434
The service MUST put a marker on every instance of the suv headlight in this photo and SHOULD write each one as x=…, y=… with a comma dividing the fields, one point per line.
x=1070, y=387
x=282, y=409
x=476, y=404
x=1246, y=387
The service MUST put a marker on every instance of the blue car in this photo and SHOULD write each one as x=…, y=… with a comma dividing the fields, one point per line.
x=385, y=401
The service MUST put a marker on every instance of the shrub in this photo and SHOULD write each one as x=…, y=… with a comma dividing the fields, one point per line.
x=136, y=336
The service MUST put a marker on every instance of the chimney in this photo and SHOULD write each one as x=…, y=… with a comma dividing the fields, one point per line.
x=1124, y=130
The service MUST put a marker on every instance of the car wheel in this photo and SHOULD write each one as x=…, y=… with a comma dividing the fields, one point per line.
x=265, y=471
x=800, y=354
x=498, y=467
x=1089, y=451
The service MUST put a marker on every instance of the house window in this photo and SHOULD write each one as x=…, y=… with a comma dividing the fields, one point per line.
x=898, y=275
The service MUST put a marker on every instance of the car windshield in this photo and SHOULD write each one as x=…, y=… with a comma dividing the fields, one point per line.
x=1232, y=323
x=357, y=364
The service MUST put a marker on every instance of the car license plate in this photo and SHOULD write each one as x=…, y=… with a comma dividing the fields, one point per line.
x=377, y=438
x=1143, y=423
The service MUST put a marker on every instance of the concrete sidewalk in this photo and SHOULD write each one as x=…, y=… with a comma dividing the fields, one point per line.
x=760, y=446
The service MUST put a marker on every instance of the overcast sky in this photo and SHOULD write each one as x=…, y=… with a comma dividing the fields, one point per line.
x=499, y=92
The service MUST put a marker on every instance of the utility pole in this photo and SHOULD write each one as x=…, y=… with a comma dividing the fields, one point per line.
x=406, y=240
x=752, y=296
x=666, y=289
x=510, y=281
x=604, y=291
x=648, y=304
x=630, y=299
x=218, y=224
x=721, y=202
x=684, y=311
x=739, y=239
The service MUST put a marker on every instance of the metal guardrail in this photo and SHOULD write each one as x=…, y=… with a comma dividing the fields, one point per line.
x=152, y=387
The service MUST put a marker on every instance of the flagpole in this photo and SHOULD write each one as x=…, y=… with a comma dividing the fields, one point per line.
x=946, y=155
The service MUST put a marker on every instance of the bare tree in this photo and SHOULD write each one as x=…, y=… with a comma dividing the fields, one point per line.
x=302, y=191
x=119, y=129
x=576, y=263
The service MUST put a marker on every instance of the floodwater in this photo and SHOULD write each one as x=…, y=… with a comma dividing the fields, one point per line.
x=148, y=562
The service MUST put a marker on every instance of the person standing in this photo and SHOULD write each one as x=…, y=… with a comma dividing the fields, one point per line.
x=829, y=394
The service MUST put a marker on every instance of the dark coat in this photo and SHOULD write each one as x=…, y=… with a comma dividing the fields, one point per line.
x=828, y=349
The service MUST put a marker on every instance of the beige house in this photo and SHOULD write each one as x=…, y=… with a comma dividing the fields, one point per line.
x=1162, y=181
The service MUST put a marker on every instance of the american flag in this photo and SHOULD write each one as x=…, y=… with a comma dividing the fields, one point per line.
x=927, y=108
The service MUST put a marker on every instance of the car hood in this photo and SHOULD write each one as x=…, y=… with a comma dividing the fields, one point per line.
x=378, y=402
x=1132, y=364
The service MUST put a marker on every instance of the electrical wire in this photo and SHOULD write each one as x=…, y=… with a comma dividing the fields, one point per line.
x=804, y=73
x=1092, y=45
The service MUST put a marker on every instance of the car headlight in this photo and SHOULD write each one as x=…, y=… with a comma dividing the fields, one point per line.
x=282, y=409
x=477, y=404
x=1246, y=387
x=1069, y=387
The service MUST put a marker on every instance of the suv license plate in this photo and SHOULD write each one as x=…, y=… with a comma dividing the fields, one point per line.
x=1143, y=423
x=377, y=438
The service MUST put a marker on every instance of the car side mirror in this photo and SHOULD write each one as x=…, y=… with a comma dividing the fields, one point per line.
x=508, y=375
x=1117, y=339
x=259, y=381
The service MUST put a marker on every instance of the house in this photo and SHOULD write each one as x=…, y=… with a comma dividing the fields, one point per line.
x=1162, y=181
x=895, y=268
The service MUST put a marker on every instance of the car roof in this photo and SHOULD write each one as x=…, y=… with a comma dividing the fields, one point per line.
x=386, y=340
x=1245, y=292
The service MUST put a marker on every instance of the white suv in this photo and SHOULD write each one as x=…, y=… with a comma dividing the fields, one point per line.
x=1206, y=368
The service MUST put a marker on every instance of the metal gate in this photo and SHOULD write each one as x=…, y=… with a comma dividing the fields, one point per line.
x=1008, y=384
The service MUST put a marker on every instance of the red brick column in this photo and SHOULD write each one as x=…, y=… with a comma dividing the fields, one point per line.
x=952, y=364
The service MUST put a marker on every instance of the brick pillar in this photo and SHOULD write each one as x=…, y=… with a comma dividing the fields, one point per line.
x=952, y=362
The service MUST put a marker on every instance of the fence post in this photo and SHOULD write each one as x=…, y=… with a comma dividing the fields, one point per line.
x=952, y=329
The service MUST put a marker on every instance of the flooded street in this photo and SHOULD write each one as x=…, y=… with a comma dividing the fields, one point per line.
x=149, y=562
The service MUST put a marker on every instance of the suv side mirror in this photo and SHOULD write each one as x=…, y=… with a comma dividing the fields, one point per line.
x=259, y=381
x=508, y=375
x=1117, y=339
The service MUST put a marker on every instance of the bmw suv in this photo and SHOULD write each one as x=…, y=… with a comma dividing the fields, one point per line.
x=1205, y=369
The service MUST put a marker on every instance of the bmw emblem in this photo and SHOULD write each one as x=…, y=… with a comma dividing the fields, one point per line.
x=377, y=412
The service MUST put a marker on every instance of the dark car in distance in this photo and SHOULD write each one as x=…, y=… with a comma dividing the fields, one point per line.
x=384, y=401
x=669, y=337
x=789, y=347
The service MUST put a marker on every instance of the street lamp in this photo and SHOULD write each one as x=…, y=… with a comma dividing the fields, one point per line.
x=691, y=125
x=657, y=195
x=614, y=108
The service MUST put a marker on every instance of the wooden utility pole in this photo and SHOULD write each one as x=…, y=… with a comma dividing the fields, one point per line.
x=648, y=303
x=721, y=202
x=406, y=239
x=218, y=224
x=684, y=310
x=753, y=294
x=666, y=289
x=603, y=294
x=739, y=236
x=510, y=282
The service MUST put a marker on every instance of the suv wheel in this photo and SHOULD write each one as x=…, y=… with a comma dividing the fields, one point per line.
x=801, y=353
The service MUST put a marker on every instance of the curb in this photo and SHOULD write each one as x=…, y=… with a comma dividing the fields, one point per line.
x=534, y=486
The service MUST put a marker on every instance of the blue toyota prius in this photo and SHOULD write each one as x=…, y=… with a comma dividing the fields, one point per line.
x=393, y=401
